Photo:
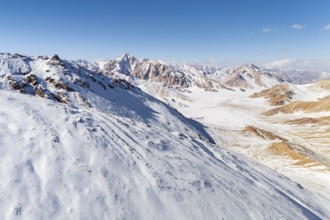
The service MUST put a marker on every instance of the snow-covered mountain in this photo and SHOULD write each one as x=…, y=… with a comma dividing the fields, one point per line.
x=249, y=77
x=76, y=143
x=183, y=77
x=297, y=76
x=145, y=70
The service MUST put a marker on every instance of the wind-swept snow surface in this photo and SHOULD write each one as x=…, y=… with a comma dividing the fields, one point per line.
x=61, y=162
x=80, y=145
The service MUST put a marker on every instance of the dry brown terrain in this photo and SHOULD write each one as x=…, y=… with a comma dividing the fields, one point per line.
x=277, y=95
x=325, y=85
x=314, y=121
x=266, y=135
x=283, y=148
x=321, y=105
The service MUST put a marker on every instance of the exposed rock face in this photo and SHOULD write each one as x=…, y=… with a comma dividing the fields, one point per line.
x=56, y=60
x=145, y=69
x=277, y=95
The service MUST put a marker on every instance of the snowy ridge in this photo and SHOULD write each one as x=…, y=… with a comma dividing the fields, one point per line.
x=183, y=77
x=78, y=144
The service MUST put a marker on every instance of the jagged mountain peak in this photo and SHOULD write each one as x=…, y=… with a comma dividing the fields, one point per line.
x=251, y=68
x=127, y=57
x=55, y=57
x=251, y=65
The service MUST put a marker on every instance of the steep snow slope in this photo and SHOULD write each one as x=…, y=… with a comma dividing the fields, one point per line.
x=62, y=162
x=125, y=155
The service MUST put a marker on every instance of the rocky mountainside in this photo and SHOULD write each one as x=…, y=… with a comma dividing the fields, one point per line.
x=184, y=77
x=178, y=77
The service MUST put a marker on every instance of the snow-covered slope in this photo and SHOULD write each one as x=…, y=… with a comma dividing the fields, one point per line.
x=250, y=77
x=118, y=153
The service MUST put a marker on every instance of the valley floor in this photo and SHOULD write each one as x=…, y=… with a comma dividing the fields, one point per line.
x=299, y=151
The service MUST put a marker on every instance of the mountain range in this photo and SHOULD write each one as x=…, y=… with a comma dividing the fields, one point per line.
x=141, y=139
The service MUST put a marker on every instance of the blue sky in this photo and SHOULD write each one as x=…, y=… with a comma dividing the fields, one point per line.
x=180, y=30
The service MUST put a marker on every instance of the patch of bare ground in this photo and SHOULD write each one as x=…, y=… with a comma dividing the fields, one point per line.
x=281, y=146
x=277, y=95
x=284, y=149
x=315, y=121
x=261, y=133
x=87, y=104
x=324, y=84
x=321, y=105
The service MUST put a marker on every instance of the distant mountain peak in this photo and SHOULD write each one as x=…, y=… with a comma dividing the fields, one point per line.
x=126, y=57
x=252, y=66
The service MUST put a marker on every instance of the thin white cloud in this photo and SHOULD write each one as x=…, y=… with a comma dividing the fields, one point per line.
x=326, y=27
x=297, y=27
x=267, y=30
x=279, y=63
x=300, y=64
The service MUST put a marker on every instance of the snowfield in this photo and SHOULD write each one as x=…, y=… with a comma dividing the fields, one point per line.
x=81, y=145
x=61, y=162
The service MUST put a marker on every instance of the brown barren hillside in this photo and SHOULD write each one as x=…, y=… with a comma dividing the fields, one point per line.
x=277, y=95
x=282, y=148
x=324, y=84
x=321, y=105
x=315, y=121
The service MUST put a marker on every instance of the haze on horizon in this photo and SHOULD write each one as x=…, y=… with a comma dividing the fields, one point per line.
x=277, y=32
